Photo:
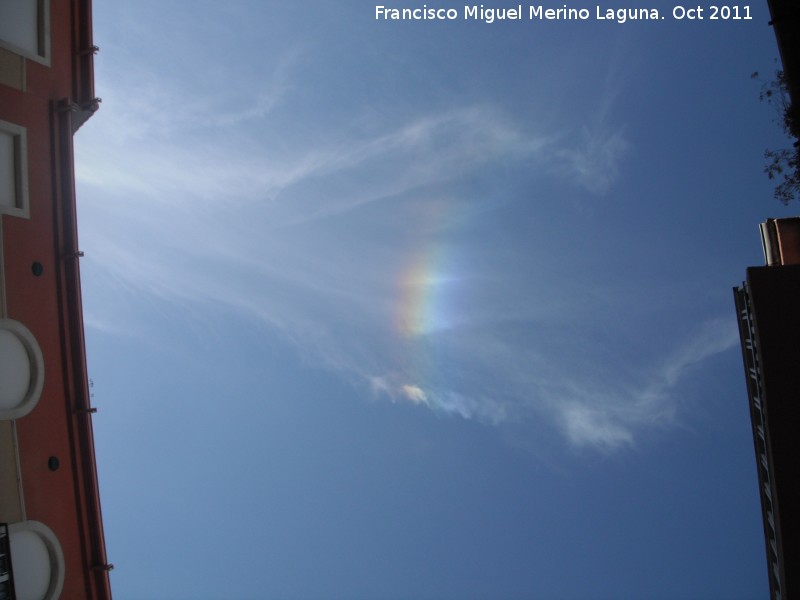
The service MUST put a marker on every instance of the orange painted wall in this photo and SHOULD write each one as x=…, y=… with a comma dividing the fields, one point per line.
x=65, y=500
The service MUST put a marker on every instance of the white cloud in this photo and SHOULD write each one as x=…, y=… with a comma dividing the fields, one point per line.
x=414, y=394
x=599, y=414
x=310, y=239
x=594, y=162
x=594, y=426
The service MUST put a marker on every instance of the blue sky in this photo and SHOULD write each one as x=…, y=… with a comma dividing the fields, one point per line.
x=422, y=309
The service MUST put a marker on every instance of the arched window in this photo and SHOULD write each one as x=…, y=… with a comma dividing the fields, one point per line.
x=21, y=370
x=37, y=561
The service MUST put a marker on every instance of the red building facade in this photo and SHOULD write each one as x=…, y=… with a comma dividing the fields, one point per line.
x=51, y=540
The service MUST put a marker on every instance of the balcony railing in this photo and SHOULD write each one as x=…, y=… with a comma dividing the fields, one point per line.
x=6, y=572
x=755, y=390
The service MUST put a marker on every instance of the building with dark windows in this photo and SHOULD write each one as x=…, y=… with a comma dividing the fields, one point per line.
x=768, y=307
x=51, y=530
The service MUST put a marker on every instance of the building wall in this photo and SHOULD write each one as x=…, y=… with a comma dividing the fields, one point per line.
x=769, y=324
x=51, y=447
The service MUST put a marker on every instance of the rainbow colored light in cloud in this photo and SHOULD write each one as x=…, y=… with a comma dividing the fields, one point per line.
x=429, y=301
x=424, y=294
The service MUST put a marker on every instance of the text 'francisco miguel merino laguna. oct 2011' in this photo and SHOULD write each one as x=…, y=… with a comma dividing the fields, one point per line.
x=539, y=12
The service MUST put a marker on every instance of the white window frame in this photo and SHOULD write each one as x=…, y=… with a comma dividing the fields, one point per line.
x=19, y=135
x=42, y=55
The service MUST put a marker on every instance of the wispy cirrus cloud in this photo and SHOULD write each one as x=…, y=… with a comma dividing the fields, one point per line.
x=594, y=161
x=307, y=228
x=593, y=401
x=611, y=416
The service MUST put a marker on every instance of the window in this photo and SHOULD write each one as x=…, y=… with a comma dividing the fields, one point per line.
x=25, y=28
x=37, y=561
x=13, y=170
x=21, y=370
